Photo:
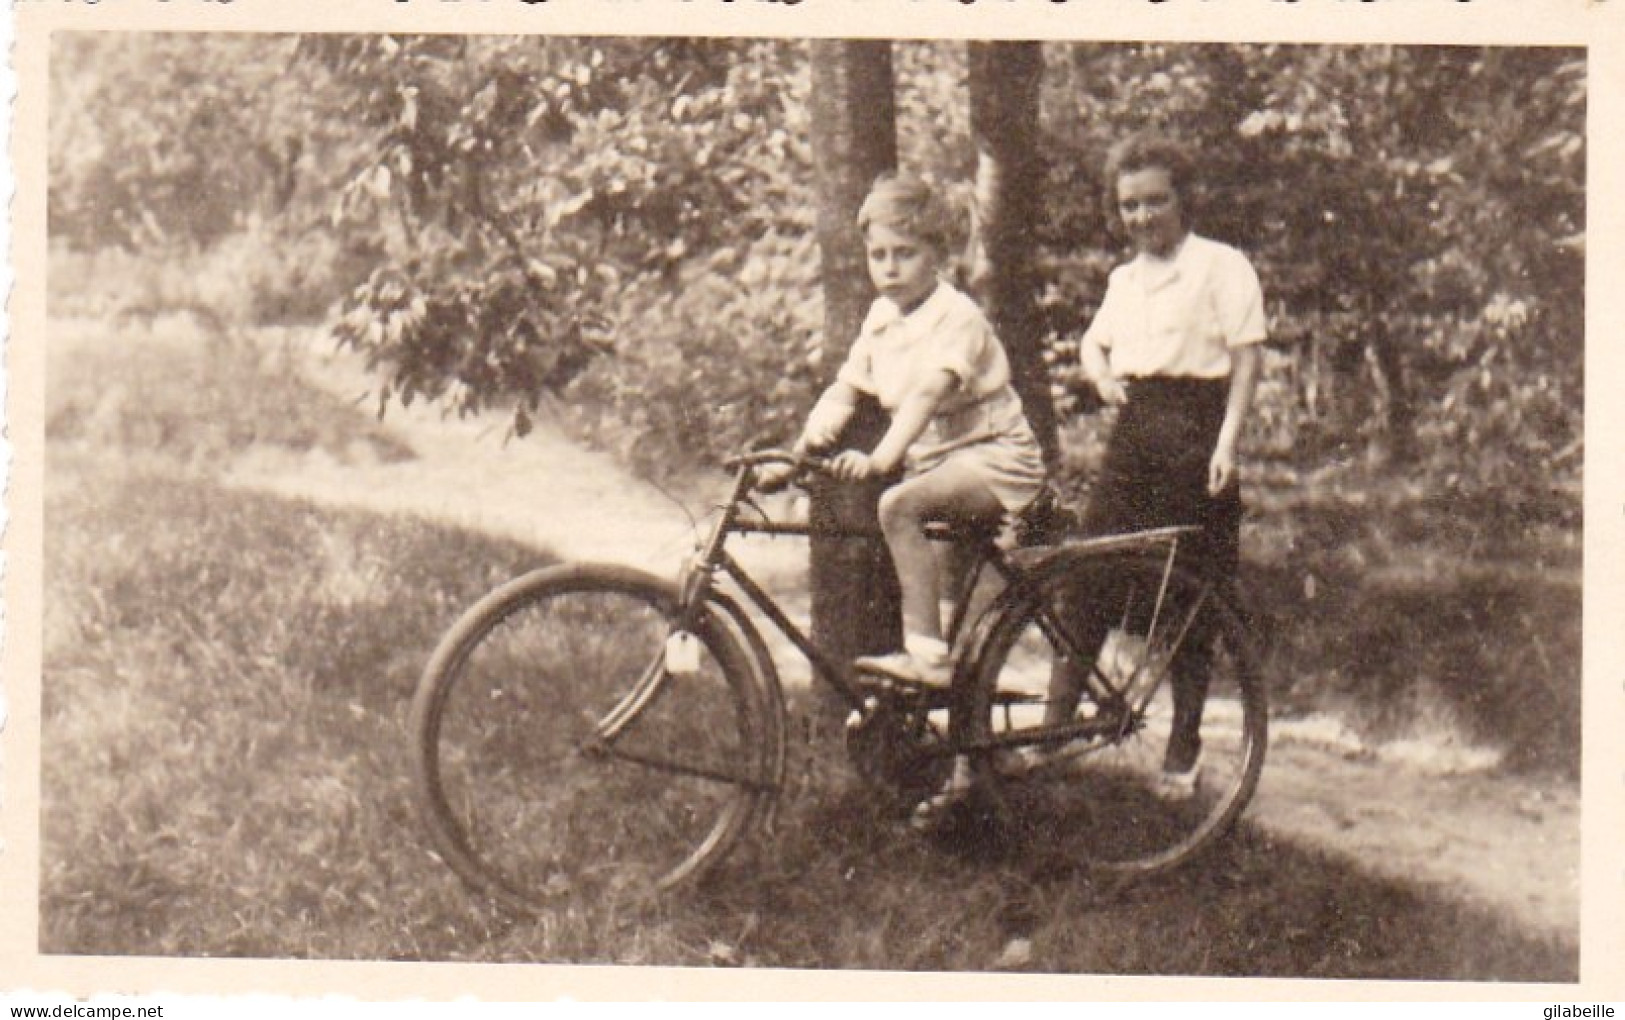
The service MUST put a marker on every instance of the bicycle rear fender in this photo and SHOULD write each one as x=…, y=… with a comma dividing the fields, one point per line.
x=1040, y=566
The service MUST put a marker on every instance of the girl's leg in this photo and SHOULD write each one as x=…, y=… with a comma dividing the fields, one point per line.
x=950, y=490
x=1117, y=504
x=1214, y=555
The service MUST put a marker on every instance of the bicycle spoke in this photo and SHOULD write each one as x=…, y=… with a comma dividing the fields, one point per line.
x=559, y=753
x=1166, y=676
x=675, y=767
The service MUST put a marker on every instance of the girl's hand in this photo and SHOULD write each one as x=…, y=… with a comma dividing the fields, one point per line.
x=1111, y=389
x=1221, y=470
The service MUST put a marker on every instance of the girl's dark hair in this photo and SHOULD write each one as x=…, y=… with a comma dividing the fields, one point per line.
x=910, y=205
x=1149, y=150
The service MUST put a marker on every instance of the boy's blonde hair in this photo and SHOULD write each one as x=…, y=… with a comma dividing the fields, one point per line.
x=908, y=205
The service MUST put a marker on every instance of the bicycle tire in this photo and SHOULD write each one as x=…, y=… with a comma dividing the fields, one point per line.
x=524, y=798
x=1107, y=801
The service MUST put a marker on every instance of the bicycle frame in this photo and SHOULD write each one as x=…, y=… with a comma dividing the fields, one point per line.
x=1009, y=651
x=713, y=559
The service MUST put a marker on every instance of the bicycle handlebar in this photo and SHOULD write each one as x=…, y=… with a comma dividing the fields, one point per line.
x=757, y=458
x=800, y=463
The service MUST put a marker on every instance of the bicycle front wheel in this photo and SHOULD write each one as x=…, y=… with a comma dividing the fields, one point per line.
x=560, y=753
x=1164, y=747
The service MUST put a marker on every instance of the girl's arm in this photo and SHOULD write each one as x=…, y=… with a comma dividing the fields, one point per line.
x=1092, y=353
x=908, y=421
x=1098, y=368
x=1244, y=367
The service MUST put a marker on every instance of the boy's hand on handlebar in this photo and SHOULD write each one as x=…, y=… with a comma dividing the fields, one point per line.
x=772, y=473
x=818, y=438
x=853, y=466
x=771, y=478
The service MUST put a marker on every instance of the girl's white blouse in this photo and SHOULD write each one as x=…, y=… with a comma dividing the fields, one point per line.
x=1180, y=316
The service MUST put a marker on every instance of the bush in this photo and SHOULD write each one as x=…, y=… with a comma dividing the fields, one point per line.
x=193, y=398
x=729, y=355
x=257, y=276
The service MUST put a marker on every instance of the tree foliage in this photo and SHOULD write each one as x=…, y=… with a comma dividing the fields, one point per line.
x=629, y=222
x=169, y=139
x=530, y=194
x=1416, y=214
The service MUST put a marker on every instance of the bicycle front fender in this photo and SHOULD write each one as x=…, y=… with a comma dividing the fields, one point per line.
x=769, y=690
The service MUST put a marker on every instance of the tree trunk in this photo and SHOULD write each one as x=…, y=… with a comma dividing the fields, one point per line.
x=1005, y=78
x=1394, y=446
x=855, y=602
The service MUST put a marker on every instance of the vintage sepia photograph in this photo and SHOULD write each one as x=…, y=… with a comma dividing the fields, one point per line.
x=1104, y=508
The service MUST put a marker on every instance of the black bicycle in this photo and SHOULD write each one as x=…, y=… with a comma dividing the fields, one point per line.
x=595, y=730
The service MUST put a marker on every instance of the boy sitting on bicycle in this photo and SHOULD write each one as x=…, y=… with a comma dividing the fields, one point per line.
x=958, y=433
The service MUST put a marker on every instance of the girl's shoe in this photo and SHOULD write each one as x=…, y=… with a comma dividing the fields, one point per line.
x=1179, y=787
x=908, y=668
x=930, y=813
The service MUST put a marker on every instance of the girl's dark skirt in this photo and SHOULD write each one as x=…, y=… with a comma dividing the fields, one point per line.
x=1155, y=475
x=1156, y=470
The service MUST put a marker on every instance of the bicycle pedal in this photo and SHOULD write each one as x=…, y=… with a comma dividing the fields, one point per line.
x=858, y=716
x=1036, y=759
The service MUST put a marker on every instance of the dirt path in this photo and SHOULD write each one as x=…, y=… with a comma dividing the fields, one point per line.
x=544, y=490
x=1430, y=815
x=1510, y=844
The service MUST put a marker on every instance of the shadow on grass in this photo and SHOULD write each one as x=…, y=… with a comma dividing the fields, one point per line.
x=1419, y=621
x=232, y=778
x=843, y=885
x=853, y=888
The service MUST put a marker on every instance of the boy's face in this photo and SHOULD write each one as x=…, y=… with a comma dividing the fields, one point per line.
x=902, y=267
x=1150, y=209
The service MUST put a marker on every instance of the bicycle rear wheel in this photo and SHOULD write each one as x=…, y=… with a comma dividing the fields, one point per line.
x=559, y=756
x=1178, y=682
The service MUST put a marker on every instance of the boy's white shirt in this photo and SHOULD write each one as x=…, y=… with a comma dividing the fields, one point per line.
x=947, y=332
x=894, y=349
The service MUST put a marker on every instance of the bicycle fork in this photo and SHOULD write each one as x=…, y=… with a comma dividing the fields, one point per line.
x=694, y=587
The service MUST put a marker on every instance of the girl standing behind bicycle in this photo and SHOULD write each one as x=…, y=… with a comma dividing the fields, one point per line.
x=929, y=356
x=1175, y=345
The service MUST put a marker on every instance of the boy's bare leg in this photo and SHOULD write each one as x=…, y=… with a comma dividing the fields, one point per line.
x=948, y=490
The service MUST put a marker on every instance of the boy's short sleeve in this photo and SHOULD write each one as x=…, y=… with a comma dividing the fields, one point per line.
x=1240, y=300
x=961, y=345
x=857, y=371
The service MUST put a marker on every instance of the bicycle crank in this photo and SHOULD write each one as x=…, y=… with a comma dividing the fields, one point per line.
x=896, y=749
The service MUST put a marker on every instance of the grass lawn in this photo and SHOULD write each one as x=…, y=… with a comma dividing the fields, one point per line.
x=225, y=690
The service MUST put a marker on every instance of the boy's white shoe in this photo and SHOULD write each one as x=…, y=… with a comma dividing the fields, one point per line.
x=925, y=661
x=907, y=667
